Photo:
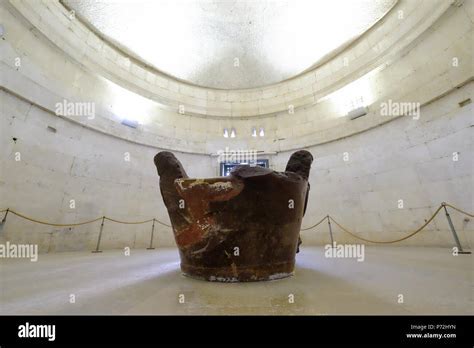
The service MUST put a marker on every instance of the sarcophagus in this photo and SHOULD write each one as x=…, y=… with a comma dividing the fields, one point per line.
x=243, y=227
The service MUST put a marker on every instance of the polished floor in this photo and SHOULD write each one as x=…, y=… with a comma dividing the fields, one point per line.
x=430, y=280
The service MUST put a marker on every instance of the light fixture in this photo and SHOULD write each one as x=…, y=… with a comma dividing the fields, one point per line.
x=357, y=107
x=262, y=132
x=232, y=133
x=226, y=133
x=130, y=123
x=356, y=94
x=358, y=112
x=254, y=132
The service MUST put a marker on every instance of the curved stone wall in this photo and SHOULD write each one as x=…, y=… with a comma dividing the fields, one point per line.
x=405, y=72
x=359, y=180
x=53, y=161
x=427, y=60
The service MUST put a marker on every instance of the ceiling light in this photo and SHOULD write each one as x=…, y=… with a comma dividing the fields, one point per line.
x=358, y=112
x=356, y=94
x=130, y=123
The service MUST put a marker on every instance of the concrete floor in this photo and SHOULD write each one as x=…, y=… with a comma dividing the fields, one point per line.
x=431, y=280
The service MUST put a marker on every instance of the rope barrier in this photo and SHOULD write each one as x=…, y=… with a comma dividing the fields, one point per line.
x=457, y=209
x=81, y=223
x=53, y=224
x=396, y=240
x=316, y=224
x=129, y=223
x=328, y=217
x=162, y=223
x=389, y=241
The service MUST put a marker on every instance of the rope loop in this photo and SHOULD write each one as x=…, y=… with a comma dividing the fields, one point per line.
x=411, y=234
x=328, y=217
x=316, y=224
x=81, y=223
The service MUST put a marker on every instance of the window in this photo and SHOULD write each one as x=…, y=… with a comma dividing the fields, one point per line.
x=226, y=167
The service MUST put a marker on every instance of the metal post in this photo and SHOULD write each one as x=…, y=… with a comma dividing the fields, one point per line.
x=151, y=238
x=100, y=236
x=330, y=232
x=5, y=217
x=50, y=240
x=455, y=235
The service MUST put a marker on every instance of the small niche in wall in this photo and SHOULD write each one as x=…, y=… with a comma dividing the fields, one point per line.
x=51, y=129
x=465, y=102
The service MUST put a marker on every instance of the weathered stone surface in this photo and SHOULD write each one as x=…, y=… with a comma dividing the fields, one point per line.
x=300, y=163
x=244, y=227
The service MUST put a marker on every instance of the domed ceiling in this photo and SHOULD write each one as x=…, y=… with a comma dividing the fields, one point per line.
x=230, y=44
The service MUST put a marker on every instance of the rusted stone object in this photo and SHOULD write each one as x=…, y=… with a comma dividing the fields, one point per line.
x=244, y=227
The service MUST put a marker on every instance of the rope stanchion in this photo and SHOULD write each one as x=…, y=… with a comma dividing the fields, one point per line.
x=6, y=214
x=151, y=238
x=330, y=232
x=453, y=231
x=97, y=250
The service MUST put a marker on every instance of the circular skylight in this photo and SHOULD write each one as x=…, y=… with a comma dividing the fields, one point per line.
x=231, y=44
